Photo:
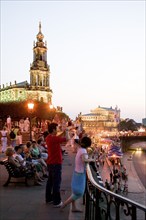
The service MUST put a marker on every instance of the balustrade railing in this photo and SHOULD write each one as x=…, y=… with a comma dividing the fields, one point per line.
x=102, y=204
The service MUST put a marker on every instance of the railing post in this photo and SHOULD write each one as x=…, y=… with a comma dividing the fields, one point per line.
x=100, y=203
x=86, y=202
x=97, y=207
x=133, y=216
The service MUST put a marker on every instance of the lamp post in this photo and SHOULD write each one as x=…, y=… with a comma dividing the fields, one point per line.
x=51, y=110
x=51, y=106
x=30, y=108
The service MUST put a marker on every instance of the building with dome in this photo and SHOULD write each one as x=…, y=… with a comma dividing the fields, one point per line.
x=101, y=119
x=39, y=86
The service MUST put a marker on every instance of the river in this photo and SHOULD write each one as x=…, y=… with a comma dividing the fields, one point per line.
x=139, y=161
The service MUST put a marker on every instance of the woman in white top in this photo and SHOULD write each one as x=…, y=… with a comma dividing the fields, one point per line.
x=4, y=139
x=79, y=174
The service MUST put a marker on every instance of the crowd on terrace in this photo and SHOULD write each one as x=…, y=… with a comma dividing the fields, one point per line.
x=33, y=154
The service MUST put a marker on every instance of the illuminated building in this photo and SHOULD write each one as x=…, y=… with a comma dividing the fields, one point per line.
x=144, y=121
x=101, y=119
x=39, y=86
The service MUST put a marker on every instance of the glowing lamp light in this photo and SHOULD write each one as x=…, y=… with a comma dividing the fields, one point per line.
x=51, y=106
x=30, y=106
x=141, y=130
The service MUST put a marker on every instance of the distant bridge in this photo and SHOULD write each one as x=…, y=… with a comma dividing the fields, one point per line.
x=126, y=141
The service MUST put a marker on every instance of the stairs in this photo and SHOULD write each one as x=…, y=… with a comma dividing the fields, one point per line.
x=25, y=137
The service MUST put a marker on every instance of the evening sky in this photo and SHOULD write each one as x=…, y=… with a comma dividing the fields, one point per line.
x=96, y=51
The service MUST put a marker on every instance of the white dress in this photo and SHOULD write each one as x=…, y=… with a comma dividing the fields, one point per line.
x=4, y=140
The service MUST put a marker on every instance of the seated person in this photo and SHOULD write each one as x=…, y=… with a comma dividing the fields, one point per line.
x=36, y=154
x=11, y=159
x=37, y=162
x=19, y=165
x=42, y=149
x=18, y=156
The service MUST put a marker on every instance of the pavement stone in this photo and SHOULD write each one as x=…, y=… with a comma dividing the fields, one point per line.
x=19, y=202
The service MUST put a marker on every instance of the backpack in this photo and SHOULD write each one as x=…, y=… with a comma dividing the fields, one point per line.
x=12, y=135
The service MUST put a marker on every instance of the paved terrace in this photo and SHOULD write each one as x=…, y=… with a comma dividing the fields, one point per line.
x=18, y=202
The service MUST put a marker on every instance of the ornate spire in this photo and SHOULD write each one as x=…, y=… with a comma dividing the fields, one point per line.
x=40, y=27
x=40, y=36
x=39, y=52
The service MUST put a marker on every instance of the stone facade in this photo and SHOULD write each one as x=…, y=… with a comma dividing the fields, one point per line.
x=101, y=119
x=39, y=86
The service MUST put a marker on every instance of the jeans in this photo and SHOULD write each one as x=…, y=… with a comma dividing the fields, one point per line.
x=54, y=183
x=78, y=185
x=13, y=143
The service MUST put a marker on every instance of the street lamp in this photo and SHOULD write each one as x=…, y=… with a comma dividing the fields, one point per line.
x=30, y=108
x=51, y=111
x=51, y=106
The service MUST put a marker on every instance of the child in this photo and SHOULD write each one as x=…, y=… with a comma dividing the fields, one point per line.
x=79, y=175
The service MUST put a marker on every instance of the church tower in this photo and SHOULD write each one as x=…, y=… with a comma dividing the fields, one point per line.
x=39, y=69
x=39, y=87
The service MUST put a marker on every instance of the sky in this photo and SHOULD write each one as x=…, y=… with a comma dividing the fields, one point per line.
x=96, y=52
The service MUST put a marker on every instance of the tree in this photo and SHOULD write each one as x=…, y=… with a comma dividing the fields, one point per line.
x=128, y=124
x=18, y=110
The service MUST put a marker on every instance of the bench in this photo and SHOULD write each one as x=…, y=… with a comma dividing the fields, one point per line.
x=14, y=173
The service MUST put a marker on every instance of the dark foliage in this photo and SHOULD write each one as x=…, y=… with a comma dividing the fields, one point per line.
x=18, y=110
x=128, y=124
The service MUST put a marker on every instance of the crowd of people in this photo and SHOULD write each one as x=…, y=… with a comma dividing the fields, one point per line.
x=26, y=158
x=117, y=181
x=44, y=157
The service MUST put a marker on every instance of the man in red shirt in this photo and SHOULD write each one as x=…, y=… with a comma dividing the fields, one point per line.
x=54, y=163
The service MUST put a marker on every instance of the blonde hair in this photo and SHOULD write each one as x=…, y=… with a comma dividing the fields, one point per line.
x=9, y=151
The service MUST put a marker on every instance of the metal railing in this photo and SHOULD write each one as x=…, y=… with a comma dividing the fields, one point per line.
x=102, y=204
